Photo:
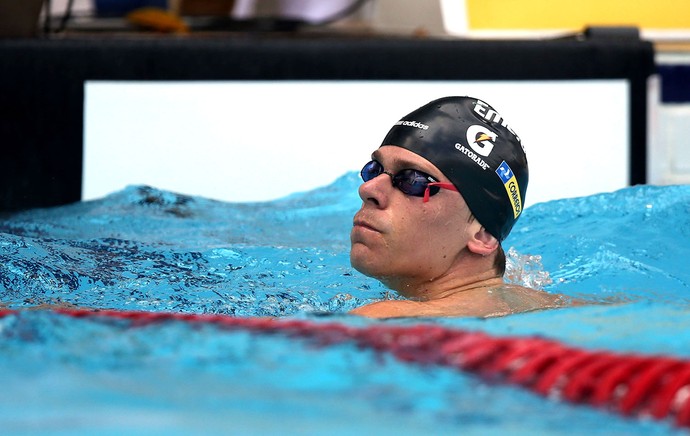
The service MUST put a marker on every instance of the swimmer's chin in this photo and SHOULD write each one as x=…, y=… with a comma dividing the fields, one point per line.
x=362, y=264
x=364, y=235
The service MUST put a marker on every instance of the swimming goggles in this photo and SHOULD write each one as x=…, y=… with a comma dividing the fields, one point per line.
x=410, y=182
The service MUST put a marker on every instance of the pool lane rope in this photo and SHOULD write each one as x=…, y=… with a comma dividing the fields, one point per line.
x=655, y=387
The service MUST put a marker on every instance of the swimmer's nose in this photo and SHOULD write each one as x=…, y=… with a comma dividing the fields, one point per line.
x=376, y=190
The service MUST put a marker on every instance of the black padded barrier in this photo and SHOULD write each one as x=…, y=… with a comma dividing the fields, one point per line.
x=42, y=83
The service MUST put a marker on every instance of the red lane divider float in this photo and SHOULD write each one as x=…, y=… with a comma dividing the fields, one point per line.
x=629, y=384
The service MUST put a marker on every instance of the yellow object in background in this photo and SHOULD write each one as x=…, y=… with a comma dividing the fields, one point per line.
x=157, y=20
x=576, y=14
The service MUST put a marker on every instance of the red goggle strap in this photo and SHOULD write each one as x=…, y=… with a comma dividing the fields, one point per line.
x=442, y=185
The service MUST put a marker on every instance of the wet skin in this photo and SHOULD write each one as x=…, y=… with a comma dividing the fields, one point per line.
x=435, y=253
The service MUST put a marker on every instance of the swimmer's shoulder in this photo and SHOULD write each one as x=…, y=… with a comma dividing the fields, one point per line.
x=417, y=309
x=518, y=299
x=389, y=309
x=486, y=302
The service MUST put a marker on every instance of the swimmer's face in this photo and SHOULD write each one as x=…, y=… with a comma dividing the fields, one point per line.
x=400, y=239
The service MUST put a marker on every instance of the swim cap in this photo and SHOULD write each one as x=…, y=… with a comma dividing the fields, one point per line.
x=476, y=149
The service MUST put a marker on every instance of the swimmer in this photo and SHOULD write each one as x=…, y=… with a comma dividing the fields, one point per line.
x=439, y=196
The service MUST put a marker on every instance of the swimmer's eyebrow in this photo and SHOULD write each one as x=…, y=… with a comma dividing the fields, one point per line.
x=402, y=164
x=397, y=162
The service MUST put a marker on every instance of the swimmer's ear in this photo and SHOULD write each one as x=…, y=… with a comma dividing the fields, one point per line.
x=482, y=242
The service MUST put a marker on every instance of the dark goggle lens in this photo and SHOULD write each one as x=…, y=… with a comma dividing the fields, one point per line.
x=414, y=183
x=410, y=182
x=371, y=170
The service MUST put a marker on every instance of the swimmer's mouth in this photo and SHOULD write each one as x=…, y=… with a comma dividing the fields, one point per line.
x=364, y=224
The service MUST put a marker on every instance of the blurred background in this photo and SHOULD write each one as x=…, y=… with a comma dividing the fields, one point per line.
x=131, y=118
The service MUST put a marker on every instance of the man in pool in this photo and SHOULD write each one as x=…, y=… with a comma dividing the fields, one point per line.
x=439, y=196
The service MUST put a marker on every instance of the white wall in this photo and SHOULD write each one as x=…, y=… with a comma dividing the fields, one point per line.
x=253, y=141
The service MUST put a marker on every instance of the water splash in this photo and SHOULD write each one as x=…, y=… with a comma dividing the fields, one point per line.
x=526, y=270
x=143, y=248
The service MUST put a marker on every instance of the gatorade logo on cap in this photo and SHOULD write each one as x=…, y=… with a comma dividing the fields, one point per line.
x=481, y=139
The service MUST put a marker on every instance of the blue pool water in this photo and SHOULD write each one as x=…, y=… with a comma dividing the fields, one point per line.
x=146, y=249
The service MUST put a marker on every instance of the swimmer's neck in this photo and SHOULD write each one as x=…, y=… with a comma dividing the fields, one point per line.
x=446, y=286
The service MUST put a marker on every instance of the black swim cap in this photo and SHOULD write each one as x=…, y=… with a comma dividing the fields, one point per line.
x=476, y=149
